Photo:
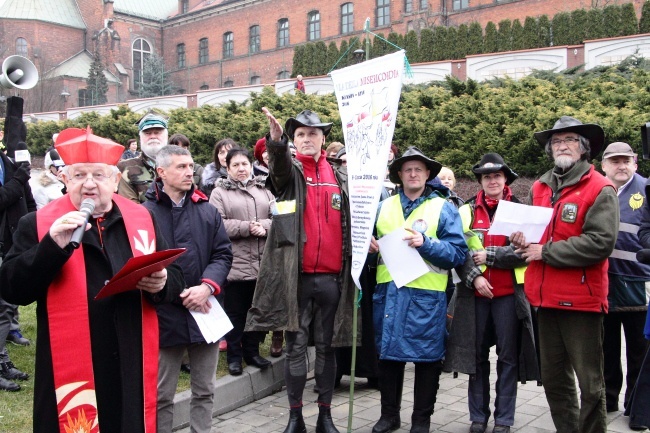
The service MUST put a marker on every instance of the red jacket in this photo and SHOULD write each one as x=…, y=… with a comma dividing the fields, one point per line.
x=323, y=250
x=570, y=288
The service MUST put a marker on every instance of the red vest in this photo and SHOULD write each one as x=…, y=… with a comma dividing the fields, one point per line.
x=500, y=279
x=572, y=288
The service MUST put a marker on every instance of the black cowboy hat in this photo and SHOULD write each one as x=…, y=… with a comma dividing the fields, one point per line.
x=491, y=163
x=306, y=118
x=413, y=154
x=594, y=133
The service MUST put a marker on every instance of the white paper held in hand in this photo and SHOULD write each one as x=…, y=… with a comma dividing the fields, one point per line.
x=404, y=263
x=516, y=217
x=213, y=324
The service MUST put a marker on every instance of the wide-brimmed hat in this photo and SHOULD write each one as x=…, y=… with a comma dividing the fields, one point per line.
x=618, y=148
x=594, y=133
x=412, y=154
x=306, y=118
x=491, y=163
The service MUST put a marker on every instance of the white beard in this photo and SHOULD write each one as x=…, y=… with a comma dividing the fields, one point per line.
x=564, y=161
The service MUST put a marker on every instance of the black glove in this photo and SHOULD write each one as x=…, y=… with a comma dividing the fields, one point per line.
x=22, y=173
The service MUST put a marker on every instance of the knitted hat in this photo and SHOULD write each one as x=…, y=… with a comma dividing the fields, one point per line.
x=260, y=148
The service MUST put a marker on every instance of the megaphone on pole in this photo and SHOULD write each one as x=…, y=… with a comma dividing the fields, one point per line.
x=18, y=72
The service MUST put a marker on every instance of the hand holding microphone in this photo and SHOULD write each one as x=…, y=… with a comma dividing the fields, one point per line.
x=70, y=228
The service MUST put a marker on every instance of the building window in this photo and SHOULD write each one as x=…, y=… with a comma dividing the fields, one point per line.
x=228, y=45
x=424, y=5
x=229, y=83
x=180, y=55
x=82, y=96
x=347, y=18
x=383, y=13
x=185, y=6
x=283, y=75
x=313, y=30
x=461, y=4
x=255, y=79
x=408, y=6
x=21, y=47
x=254, y=39
x=204, y=87
x=203, y=51
x=283, y=32
x=141, y=52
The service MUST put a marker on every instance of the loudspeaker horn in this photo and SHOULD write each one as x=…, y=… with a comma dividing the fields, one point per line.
x=18, y=72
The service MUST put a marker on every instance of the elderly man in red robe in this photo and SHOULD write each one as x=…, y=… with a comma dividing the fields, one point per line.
x=96, y=360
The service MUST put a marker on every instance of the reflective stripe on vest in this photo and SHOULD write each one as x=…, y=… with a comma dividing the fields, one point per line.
x=391, y=218
x=474, y=242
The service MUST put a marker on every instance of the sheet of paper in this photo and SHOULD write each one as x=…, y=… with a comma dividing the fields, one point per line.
x=213, y=324
x=516, y=217
x=403, y=262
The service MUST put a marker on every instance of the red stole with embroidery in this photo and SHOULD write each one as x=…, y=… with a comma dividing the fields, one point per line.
x=67, y=309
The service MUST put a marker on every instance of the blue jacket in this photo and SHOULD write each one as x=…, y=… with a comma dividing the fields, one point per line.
x=410, y=323
x=197, y=226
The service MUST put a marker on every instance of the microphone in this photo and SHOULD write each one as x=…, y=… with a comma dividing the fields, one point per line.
x=643, y=256
x=87, y=207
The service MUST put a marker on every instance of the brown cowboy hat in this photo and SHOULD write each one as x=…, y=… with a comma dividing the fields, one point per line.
x=491, y=163
x=306, y=118
x=594, y=133
x=413, y=154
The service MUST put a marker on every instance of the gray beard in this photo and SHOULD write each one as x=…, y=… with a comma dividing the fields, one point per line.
x=564, y=162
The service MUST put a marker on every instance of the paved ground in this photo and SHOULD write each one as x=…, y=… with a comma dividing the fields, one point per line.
x=270, y=414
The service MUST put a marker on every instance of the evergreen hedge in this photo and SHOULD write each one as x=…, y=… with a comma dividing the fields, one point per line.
x=456, y=122
x=450, y=43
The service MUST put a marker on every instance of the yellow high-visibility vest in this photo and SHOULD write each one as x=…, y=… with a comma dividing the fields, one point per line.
x=391, y=218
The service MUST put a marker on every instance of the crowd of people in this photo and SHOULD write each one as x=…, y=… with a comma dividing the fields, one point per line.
x=266, y=233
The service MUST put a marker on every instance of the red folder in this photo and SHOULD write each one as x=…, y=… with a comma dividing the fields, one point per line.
x=136, y=268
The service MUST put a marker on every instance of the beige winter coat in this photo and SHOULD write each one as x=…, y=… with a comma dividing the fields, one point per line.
x=239, y=204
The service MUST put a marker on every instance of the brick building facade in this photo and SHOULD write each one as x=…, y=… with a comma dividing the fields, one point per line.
x=210, y=44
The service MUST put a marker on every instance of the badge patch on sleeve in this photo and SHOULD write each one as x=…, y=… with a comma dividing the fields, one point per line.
x=569, y=212
x=336, y=201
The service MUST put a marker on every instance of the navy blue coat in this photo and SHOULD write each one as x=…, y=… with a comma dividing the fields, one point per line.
x=198, y=227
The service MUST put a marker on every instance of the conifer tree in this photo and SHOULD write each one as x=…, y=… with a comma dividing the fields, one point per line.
x=308, y=60
x=517, y=35
x=579, y=26
x=96, y=83
x=504, y=38
x=332, y=55
x=475, y=39
x=462, y=41
x=342, y=49
x=298, y=58
x=411, y=47
x=530, y=33
x=320, y=58
x=427, y=45
x=544, y=31
x=440, y=42
x=644, y=23
x=629, y=24
x=561, y=29
x=379, y=46
x=155, y=80
x=451, y=52
x=491, y=38
x=612, y=20
x=595, y=26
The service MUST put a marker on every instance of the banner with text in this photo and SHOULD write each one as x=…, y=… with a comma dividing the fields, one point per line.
x=368, y=95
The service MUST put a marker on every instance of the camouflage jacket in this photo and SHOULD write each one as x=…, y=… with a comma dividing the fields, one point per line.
x=137, y=175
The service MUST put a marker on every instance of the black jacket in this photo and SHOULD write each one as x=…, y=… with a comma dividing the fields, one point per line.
x=197, y=226
x=15, y=201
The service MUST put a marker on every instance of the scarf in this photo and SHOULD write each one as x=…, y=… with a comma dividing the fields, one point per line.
x=67, y=309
